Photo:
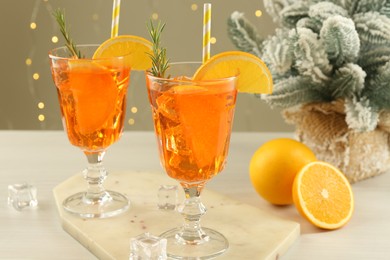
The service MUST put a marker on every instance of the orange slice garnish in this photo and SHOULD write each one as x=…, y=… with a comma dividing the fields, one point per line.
x=135, y=49
x=253, y=74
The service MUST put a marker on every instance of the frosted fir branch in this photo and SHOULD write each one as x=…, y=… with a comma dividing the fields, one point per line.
x=373, y=28
x=377, y=88
x=291, y=14
x=243, y=34
x=334, y=49
x=310, y=57
x=324, y=10
x=345, y=4
x=341, y=40
x=278, y=53
x=310, y=23
x=275, y=7
x=385, y=10
x=364, y=6
x=360, y=116
x=372, y=59
x=294, y=91
x=347, y=81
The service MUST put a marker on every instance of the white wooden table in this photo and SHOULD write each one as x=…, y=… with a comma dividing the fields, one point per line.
x=45, y=159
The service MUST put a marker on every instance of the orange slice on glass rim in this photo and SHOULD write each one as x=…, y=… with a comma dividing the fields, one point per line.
x=253, y=75
x=323, y=195
x=135, y=48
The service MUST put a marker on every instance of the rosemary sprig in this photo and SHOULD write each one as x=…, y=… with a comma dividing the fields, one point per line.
x=160, y=63
x=60, y=17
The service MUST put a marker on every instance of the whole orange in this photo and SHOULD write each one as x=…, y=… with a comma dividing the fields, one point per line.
x=273, y=167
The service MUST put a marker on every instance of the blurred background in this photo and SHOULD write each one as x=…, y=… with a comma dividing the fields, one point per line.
x=28, y=99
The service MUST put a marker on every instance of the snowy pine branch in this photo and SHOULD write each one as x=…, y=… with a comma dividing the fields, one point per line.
x=294, y=91
x=360, y=115
x=291, y=14
x=243, y=34
x=377, y=89
x=324, y=51
x=364, y=6
x=278, y=54
x=348, y=81
x=385, y=10
x=310, y=23
x=340, y=39
x=373, y=28
x=372, y=59
x=310, y=56
x=275, y=7
x=324, y=10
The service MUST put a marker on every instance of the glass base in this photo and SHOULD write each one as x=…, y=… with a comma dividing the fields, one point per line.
x=213, y=244
x=109, y=205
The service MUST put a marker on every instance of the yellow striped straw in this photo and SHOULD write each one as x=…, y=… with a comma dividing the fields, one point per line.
x=115, y=18
x=206, y=31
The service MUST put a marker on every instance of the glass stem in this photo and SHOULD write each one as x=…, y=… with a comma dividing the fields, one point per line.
x=192, y=210
x=95, y=174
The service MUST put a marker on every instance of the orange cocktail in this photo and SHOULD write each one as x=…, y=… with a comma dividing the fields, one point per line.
x=92, y=96
x=193, y=121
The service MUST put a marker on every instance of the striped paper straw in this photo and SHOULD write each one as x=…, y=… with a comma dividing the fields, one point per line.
x=206, y=31
x=115, y=18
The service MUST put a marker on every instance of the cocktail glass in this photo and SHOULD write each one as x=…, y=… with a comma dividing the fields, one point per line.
x=192, y=122
x=92, y=97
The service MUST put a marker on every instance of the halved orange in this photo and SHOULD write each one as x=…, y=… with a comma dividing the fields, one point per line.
x=253, y=74
x=135, y=48
x=323, y=195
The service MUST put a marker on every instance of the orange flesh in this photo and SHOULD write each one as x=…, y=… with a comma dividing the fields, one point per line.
x=323, y=195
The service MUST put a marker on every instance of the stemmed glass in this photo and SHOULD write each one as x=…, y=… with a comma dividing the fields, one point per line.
x=92, y=97
x=192, y=122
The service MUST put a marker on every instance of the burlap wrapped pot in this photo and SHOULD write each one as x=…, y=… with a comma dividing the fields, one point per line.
x=359, y=155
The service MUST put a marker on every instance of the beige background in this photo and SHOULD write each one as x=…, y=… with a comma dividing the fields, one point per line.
x=90, y=22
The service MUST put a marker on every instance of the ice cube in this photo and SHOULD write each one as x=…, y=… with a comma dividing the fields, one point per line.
x=175, y=144
x=147, y=246
x=22, y=196
x=166, y=106
x=174, y=139
x=167, y=197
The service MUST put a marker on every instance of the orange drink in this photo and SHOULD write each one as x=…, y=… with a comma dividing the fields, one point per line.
x=91, y=82
x=193, y=112
x=92, y=97
x=193, y=121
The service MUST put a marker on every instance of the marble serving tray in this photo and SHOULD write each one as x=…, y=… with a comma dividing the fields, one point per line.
x=252, y=233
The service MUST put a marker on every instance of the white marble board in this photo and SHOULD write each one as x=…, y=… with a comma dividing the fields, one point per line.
x=252, y=233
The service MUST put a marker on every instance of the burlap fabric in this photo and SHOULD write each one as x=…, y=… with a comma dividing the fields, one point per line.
x=359, y=155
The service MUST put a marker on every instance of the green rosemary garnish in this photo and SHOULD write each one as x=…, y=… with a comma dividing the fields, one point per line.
x=160, y=63
x=60, y=17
